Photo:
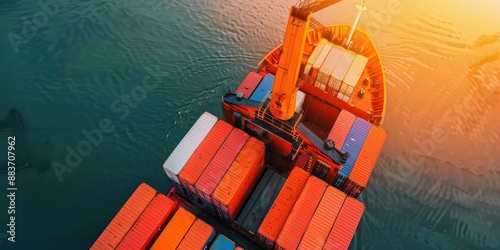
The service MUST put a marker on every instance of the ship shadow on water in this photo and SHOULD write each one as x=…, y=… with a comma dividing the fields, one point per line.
x=13, y=125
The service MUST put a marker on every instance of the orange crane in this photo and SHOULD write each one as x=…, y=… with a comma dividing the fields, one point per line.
x=285, y=86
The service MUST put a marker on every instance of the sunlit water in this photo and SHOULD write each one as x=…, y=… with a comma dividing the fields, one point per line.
x=437, y=182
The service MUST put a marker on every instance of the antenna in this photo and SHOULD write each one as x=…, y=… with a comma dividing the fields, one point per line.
x=361, y=8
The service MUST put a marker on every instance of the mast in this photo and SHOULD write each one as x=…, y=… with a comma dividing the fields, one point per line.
x=361, y=8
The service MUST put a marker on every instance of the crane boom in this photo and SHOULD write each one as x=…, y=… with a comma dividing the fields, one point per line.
x=285, y=89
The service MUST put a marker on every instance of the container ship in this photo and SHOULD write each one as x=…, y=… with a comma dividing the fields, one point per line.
x=283, y=168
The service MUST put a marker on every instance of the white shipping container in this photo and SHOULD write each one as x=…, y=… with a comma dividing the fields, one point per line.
x=343, y=65
x=186, y=147
x=314, y=55
x=322, y=56
x=356, y=70
x=328, y=66
x=299, y=102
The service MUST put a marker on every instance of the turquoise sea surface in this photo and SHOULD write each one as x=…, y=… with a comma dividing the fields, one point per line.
x=121, y=82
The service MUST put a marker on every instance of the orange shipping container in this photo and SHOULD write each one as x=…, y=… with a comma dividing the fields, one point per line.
x=301, y=214
x=368, y=156
x=149, y=223
x=126, y=217
x=323, y=219
x=236, y=183
x=347, y=221
x=279, y=211
x=198, y=236
x=216, y=169
x=204, y=154
x=341, y=128
x=175, y=230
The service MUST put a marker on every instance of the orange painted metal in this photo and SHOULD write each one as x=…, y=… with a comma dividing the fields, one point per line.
x=222, y=160
x=149, y=223
x=174, y=232
x=125, y=218
x=278, y=213
x=341, y=128
x=347, y=221
x=249, y=84
x=204, y=154
x=323, y=219
x=284, y=88
x=301, y=214
x=240, y=177
x=197, y=237
x=368, y=156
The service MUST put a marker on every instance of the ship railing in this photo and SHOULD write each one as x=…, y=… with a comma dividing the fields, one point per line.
x=264, y=115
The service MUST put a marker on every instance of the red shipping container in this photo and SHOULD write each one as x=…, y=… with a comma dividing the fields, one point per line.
x=301, y=214
x=197, y=237
x=204, y=154
x=125, y=218
x=240, y=177
x=341, y=128
x=216, y=169
x=174, y=232
x=323, y=219
x=249, y=84
x=368, y=156
x=347, y=221
x=278, y=213
x=149, y=223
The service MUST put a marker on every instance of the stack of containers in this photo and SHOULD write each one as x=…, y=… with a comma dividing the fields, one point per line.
x=249, y=84
x=323, y=219
x=341, y=68
x=186, y=147
x=352, y=144
x=223, y=243
x=353, y=75
x=175, y=230
x=331, y=80
x=198, y=237
x=125, y=218
x=149, y=223
x=260, y=201
x=265, y=87
x=278, y=213
x=345, y=226
x=341, y=128
x=301, y=214
x=366, y=162
x=184, y=231
x=239, y=179
x=219, y=164
x=326, y=69
x=299, y=102
x=314, y=55
x=319, y=61
x=195, y=166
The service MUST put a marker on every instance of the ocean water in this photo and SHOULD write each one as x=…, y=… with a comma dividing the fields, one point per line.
x=121, y=82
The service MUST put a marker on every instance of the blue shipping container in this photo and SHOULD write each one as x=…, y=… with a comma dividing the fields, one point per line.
x=223, y=243
x=353, y=144
x=265, y=86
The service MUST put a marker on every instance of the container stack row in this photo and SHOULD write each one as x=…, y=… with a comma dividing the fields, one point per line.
x=218, y=170
x=363, y=142
x=307, y=213
x=335, y=69
x=150, y=220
